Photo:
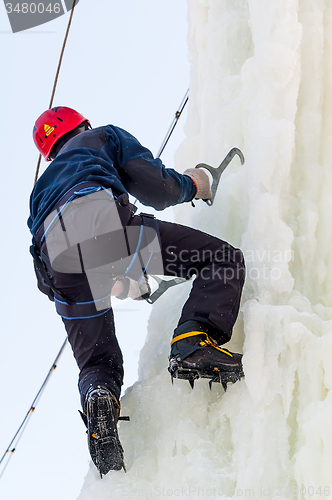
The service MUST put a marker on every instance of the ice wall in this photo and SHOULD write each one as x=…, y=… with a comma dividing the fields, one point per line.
x=261, y=80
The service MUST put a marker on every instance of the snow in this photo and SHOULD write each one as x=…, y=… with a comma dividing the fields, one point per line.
x=260, y=81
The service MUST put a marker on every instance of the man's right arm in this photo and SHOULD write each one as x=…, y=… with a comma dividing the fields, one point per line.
x=146, y=178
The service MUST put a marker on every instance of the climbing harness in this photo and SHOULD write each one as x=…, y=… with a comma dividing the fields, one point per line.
x=66, y=308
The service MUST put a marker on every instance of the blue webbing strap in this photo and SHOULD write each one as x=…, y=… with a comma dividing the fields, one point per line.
x=82, y=192
x=79, y=310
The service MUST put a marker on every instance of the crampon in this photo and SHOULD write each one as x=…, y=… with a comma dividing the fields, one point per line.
x=102, y=415
x=204, y=359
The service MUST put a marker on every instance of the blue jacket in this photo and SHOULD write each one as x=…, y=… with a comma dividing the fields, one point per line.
x=114, y=158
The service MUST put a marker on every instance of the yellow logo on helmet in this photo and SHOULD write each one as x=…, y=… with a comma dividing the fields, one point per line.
x=48, y=130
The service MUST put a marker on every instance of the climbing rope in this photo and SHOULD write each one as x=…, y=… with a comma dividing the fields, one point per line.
x=174, y=123
x=57, y=76
x=171, y=128
x=13, y=444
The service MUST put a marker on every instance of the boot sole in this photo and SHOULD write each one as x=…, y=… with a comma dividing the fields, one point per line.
x=103, y=439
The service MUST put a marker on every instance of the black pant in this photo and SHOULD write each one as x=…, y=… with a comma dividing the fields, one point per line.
x=213, y=301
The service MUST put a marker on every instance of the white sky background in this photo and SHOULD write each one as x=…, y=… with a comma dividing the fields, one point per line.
x=125, y=63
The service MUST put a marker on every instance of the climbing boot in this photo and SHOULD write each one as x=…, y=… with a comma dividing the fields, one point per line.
x=194, y=354
x=101, y=416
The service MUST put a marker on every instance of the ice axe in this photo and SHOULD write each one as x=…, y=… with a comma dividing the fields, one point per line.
x=164, y=285
x=216, y=172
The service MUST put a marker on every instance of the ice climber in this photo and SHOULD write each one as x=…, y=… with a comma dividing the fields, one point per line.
x=89, y=245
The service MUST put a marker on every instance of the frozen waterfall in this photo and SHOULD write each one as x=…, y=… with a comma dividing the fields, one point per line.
x=261, y=80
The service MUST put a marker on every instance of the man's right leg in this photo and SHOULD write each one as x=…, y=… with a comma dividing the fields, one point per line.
x=219, y=268
x=97, y=353
x=211, y=310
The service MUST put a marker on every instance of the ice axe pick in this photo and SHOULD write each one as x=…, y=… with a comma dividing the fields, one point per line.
x=216, y=172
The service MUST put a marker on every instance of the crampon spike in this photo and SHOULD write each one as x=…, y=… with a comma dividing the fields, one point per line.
x=84, y=418
x=223, y=382
x=192, y=383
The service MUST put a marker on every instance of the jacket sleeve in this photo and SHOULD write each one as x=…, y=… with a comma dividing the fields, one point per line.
x=145, y=177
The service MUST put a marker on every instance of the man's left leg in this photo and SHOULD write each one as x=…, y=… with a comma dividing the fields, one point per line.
x=97, y=353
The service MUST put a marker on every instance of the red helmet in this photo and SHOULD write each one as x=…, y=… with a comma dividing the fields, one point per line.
x=53, y=124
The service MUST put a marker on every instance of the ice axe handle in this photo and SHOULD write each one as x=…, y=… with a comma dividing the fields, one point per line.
x=163, y=285
x=216, y=172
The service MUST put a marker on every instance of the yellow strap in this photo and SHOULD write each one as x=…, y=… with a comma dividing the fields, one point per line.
x=204, y=342
x=116, y=400
x=118, y=405
x=186, y=335
x=219, y=348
